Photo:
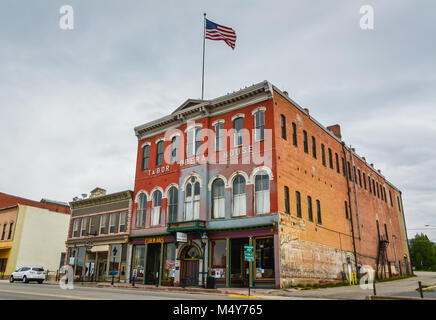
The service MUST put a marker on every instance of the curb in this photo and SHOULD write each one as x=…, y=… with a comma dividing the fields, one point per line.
x=396, y=298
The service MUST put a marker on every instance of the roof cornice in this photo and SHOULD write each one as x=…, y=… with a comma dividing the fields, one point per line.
x=110, y=198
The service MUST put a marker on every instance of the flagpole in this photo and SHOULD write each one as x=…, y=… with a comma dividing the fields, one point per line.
x=204, y=44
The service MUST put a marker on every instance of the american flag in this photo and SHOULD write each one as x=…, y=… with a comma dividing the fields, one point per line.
x=218, y=32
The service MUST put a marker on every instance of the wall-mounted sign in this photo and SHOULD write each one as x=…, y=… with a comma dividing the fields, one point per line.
x=154, y=240
x=181, y=237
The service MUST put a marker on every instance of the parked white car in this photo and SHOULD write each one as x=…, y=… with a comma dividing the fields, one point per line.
x=27, y=274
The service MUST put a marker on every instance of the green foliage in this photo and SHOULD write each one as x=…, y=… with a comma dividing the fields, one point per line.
x=423, y=253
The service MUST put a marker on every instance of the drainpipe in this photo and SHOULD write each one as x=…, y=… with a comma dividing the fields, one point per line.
x=349, y=203
x=355, y=193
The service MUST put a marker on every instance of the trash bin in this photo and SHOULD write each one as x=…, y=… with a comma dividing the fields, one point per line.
x=210, y=283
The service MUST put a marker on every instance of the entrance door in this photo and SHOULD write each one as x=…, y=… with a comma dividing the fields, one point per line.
x=153, y=263
x=190, y=272
x=239, y=268
x=102, y=265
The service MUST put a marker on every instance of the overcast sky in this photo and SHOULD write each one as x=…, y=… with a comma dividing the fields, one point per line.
x=69, y=99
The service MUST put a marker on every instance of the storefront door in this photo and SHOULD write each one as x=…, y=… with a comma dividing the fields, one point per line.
x=239, y=275
x=153, y=262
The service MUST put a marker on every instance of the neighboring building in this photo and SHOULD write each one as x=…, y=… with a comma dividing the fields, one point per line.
x=31, y=233
x=253, y=168
x=98, y=236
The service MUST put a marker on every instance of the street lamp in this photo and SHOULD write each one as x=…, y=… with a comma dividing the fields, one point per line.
x=204, y=239
x=114, y=251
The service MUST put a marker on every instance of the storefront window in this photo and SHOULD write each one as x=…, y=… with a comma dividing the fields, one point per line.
x=115, y=258
x=79, y=260
x=264, y=258
x=218, y=253
x=170, y=262
x=138, y=261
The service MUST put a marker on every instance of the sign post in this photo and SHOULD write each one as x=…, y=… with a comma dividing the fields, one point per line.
x=249, y=256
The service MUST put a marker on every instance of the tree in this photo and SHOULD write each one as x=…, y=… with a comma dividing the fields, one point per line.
x=423, y=253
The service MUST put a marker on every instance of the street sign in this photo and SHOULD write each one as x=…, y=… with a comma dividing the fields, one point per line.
x=249, y=253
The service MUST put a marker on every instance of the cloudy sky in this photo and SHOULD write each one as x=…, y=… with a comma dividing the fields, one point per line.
x=69, y=99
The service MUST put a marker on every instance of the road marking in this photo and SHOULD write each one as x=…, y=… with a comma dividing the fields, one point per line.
x=244, y=296
x=48, y=295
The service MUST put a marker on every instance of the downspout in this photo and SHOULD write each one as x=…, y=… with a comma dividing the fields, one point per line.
x=349, y=204
x=355, y=193
x=405, y=229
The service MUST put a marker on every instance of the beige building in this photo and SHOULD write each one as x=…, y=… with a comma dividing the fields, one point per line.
x=31, y=233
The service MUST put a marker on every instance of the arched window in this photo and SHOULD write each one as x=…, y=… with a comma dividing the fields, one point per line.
x=218, y=201
x=173, y=197
x=174, y=145
x=261, y=187
x=239, y=197
x=159, y=153
x=192, y=200
x=141, y=211
x=157, y=204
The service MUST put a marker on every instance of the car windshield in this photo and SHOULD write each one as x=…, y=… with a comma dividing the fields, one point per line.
x=37, y=269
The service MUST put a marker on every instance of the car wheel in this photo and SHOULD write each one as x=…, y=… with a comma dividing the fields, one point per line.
x=11, y=279
x=25, y=280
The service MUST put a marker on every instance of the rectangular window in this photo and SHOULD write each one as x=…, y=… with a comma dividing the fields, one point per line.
x=349, y=171
x=314, y=147
x=76, y=227
x=218, y=259
x=283, y=126
x=346, y=209
x=330, y=159
x=298, y=201
x=145, y=157
x=305, y=143
x=123, y=222
x=337, y=163
x=260, y=126
x=398, y=202
x=364, y=180
x=354, y=173
x=112, y=223
x=373, y=188
x=84, y=227
x=193, y=143
x=378, y=190
x=139, y=261
x=11, y=227
x=386, y=232
x=318, y=211
x=309, y=208
x=170, y=264
x=369, y=183
x=360, y=178
x=238, y=125
x=323, y=155
x=384, y=192
x=287, y=204
x=94, y=225
x=174, y=147
x=343, y=167
x=159, y=153
x=264, y=250
x=103, y=224
x=390, y=198
x=4, y=231
x=294, y=134
x=219, y=137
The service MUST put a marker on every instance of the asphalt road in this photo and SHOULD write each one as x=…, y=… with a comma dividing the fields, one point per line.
x=35, y=291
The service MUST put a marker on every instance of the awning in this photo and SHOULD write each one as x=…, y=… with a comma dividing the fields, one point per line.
x=104, y=247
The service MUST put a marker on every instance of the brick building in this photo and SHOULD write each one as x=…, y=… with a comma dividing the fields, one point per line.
x=253, y=168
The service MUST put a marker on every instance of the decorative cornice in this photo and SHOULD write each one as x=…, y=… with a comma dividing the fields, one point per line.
x=110, y=198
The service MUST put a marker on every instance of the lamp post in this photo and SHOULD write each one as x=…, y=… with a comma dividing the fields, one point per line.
x=114, y=251
x=204, y=239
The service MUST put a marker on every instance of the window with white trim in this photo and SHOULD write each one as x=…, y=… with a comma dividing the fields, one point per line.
x=174, y=145
x=159, y=153
x=145, y=156
x=193, y=143
x=239, y=196
x=259, y=125
x=192, y=200
x=157, y=204
x=103, y=224
x=219, y=140
x=261, y=187
x=173, y=197
x=83, y=227
x=123, y=222
x=75, y=227
x=112, y=222
x=238, y=125
x=141, y=211
x=218, y=200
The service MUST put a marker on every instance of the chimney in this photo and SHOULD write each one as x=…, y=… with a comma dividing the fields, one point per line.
x=379, y=171
x=364, y=159
x=307, y=111
x=352, y=149
x=336, y=130
x=286, y=93
x=372, y=165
